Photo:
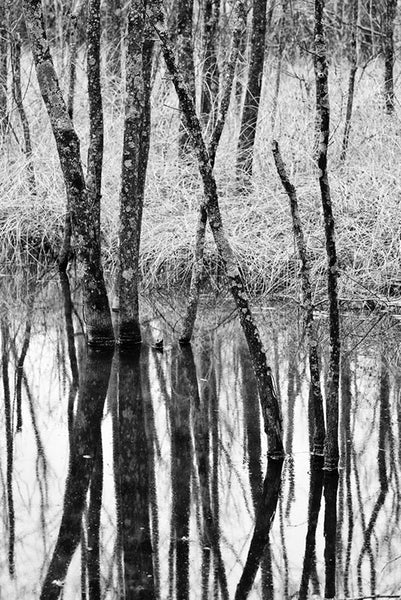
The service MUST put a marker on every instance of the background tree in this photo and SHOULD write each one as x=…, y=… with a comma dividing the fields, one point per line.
x=389, y=16
x=185, y=60
x=3, y=67
x=253, y=91
x=210, y=67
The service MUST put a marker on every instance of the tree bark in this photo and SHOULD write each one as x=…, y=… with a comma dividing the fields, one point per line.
x=87, y=244
x=331, y=451
x=133, y=172
x=389, y=58
x=267, y=394
x=252, y=96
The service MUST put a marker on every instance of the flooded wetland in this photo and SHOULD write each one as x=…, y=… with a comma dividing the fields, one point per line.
x=145, y=474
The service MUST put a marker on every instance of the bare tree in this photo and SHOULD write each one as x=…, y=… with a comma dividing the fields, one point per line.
x=352, y=73
x=253, y=91
x=331, y=451
x=389, y=17
x=185, y=60
x=84, y=227
x=210, y=68
x=134, y=165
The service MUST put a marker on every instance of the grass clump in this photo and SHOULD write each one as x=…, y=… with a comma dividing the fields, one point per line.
x=365, y=190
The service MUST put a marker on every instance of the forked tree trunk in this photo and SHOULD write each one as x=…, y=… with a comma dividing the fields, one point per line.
x=134, y=165
x=96, y=305
x=268, y=398
x=252, y=95
x=3, y=68
x=210, y=68
x=351, y=81
x=331, y=452
x=314, y=366
x=198, y=266
x=389, y=58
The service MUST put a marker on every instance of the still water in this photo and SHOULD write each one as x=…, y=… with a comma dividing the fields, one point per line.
x=144, y=474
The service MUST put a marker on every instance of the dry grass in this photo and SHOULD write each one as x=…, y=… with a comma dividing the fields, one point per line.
x=366, y=191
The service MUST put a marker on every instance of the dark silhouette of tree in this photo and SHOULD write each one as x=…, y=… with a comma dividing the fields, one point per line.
x=185, y=61
x=210, y=67
x=3, y=68
x=389, y=58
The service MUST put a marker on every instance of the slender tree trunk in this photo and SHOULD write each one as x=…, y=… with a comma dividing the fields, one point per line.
x=73, y=51
x=267, y=393
x=198, y=266
x=133, y=173
x=351, y=81
x=17, y=93
x=314, y=366
x=322, y=96
x=185, y=61
x=87, y=244
x=210, y=68
x=252, y=96
x=389, y=58
x=3, y=68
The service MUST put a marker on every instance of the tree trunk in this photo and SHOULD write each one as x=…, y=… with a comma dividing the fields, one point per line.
x=323, y=107
x=185, y=61
x=391, y=7
x=314, y=366
x=87, y=244
x=3, y=69
x=351, y=81
x=252, y=96
x=210, y=69
x=197, y=269
x=133, y=173
x=267, y=394
x=17, y=93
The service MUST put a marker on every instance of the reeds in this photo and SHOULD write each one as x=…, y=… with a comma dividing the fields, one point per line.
x=366, y=190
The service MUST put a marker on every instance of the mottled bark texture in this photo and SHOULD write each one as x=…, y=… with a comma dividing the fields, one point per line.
x=185, y=61
x=389, y=58
x=84, y=227
x=314, y=366
x=351, y=80
x=268, y=398
x=133, y=171
x=331, y=452
x=85, y=445
x=252, y=95
x=197, y=269
x=210, y=68
x=3, y=68
x=17, y=94
x=73, y=50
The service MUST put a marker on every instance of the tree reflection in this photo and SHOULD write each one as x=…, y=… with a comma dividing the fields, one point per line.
x=133, y=480
x=85, y=446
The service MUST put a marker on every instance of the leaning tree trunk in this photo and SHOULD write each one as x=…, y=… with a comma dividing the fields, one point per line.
x=198, y=266
x=96, y=305
x=267, y=394
x=253, y=91
x=133, y=173
x=389, y=17
x=331, y=452
x=210, y=68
